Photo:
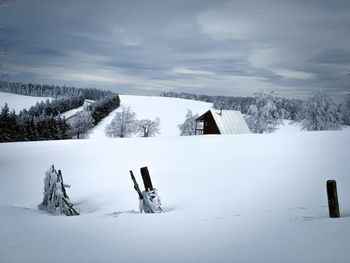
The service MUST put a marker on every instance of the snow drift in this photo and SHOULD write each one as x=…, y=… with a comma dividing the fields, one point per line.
x=233, y=198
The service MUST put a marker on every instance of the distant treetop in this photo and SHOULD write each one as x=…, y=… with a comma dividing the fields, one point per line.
x=53, y=91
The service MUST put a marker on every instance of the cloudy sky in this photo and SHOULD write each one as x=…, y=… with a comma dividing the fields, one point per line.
x=295, y=48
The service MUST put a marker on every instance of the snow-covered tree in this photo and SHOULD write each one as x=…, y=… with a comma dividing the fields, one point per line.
x=319, y=113
x=345, y=111
x=147, y=128
x=123, y=124
x=189, y=126
x=56, y=200
x=81, y=123
x=150, y=202
x=263, y=115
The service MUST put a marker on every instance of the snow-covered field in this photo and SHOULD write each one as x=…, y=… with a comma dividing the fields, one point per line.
x=233, y=198
x=238, y=198
x=171, y=112
x=19, y=102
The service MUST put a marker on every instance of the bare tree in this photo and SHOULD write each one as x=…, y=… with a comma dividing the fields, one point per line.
x=148, y=128
x=81, y=123
x=123, y=124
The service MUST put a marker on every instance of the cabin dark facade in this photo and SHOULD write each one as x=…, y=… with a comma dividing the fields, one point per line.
x=206, y=124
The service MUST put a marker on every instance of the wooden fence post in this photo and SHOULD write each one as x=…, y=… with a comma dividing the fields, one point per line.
x=146, y=178
x=333, y=204
x=136, y=185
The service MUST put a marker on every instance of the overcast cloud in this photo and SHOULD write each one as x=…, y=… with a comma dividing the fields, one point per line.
x=207, y=47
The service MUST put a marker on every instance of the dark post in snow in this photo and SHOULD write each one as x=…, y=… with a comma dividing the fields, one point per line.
x=146, y=178
x=149, y=199
x=136, y=186
x=333, y=199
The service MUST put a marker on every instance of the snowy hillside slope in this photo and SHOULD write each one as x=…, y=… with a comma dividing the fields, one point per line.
x=19, y=102
x=72, y=112
x=233, y=198
x=171, y=112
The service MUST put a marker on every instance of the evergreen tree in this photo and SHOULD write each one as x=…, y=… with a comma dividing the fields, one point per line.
x=263, y=114
x=345, y=111
x=286, y=108
x=189, y=126
x=4, y=123
x=319, y=113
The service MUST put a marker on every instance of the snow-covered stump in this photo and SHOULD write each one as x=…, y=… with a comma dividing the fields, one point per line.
x=332, y=194
x=56, y=200
x=149, y=199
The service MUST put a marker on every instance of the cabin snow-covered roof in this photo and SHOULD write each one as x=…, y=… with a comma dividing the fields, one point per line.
x=229, y=121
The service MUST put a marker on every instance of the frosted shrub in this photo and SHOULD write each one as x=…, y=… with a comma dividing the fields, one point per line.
x=263, y=116
x=188, y=128
x=151, y=202
x=319, y=113
x=56, y=200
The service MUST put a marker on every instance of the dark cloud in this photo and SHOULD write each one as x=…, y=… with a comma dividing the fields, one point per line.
x=214, y=47
x=337, y=57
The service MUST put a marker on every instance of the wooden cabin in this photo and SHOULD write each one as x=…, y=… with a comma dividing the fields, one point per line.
x=221, y=122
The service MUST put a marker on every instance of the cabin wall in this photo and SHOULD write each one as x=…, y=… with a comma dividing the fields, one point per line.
x=210, y=126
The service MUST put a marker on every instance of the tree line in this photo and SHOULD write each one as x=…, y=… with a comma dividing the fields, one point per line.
x=53, y=91
x=264, y=111
x=84, y=120
x=286, y=107
x=43, y=121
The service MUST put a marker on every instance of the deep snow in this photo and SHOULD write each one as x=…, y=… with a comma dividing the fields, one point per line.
x=243, y=198
x=232, y=198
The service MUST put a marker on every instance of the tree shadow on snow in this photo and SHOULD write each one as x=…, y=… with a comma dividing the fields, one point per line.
x=85, y=206
x=31, y=209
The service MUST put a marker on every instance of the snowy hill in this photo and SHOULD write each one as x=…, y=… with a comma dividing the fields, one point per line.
x=227, y=198
x=171, y=112
x=19, y=102
x=237, y=198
